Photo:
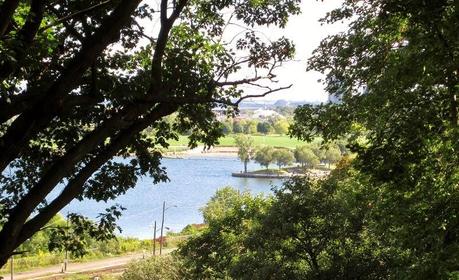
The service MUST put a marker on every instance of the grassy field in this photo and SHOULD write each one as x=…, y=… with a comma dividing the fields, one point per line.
x=110, y=248
x=270, y=140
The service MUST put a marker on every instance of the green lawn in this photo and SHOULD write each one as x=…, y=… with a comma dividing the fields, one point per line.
x=270, y=140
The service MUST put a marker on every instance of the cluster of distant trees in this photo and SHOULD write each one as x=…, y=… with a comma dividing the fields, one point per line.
x=252, y=126
x=308, y=156
x=273, y=125
x=267, y=155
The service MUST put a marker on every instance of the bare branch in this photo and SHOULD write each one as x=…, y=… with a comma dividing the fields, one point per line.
x=239, y=82
x=235, y=63
x=163, y=36
x=260, y=95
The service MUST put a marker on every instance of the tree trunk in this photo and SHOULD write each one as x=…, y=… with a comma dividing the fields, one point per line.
x=15, y=233
x=6, y=12
x=245, y=166
x=4, y=259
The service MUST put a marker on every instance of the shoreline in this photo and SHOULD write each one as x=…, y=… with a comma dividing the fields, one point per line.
x=200, y=152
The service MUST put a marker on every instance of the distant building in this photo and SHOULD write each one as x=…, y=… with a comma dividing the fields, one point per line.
x=264, y=114
x=282, y=103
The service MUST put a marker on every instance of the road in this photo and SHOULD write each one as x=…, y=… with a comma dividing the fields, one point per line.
x=54, y=272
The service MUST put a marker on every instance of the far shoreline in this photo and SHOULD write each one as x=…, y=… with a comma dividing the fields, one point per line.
x=217, y=152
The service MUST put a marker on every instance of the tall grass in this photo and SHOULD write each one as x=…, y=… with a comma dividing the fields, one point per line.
x=96, y=250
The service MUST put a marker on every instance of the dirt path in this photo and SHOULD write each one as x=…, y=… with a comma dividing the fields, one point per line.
x=54, y=272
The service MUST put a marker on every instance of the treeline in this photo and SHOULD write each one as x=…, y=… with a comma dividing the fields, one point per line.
x=274, y=125
x=309, y=155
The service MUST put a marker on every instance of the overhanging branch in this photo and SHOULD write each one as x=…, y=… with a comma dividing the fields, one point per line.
x=260, y=95
x=75, y=185
x=79, y=13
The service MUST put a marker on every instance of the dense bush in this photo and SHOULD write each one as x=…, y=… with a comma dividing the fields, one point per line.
x=158, y=268
x=308, y=230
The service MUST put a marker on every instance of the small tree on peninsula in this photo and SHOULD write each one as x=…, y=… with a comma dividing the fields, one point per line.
x=246, y=149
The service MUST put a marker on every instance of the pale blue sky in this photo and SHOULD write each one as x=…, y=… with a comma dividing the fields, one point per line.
x=306, y=32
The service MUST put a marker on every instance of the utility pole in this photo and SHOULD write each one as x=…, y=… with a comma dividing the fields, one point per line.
x=64, y=268
x=162, y=226
x=12, y=267
x=154, y=240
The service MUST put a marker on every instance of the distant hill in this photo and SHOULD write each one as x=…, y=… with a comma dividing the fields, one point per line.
x=254, y=104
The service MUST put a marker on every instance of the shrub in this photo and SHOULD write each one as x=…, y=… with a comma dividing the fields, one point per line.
x=158, y=268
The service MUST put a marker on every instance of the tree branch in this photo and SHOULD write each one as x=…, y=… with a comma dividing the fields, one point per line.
x=163, y=36
x=26, y=36
x=260, y=95
x=75, y=185
x=6, y=13
x=163, y=14
x=30, y=28
x=79, y=13
x=238, y=82
x=50, y=103
x=177, y=11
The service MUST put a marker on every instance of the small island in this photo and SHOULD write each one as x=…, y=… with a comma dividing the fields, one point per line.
x=309, y=160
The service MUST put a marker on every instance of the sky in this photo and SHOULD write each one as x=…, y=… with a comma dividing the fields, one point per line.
x=306, y=32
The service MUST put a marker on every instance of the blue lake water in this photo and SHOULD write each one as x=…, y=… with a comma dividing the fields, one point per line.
x=192, y=182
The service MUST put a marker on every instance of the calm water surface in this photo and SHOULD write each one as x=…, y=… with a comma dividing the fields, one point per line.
x=192, y=182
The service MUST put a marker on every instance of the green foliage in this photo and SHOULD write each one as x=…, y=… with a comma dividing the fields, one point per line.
x=281, y=126
x=79, y=231
x=309, y=230
x=264, y=156
x=306, y=157
x=250, y=126
x=227, y=127
x=332, y=154
x=246, y=148
x=283, y=141
x=158, y=268
x=394, y=72
x=224, y=199
x=73, y=108
x=318, y=230
x=37, y=254
x=282, y=157
x=264, y=128
x=237, y=127
x=211, y=254
x=192, y=229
